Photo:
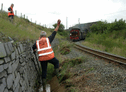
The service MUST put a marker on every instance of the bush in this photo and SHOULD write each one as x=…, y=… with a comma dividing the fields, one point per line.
x=99, y=27
x=102, y=27
x=61, y=27
x=117, y=25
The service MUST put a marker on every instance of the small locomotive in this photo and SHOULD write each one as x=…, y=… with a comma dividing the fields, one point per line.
x=79, y=31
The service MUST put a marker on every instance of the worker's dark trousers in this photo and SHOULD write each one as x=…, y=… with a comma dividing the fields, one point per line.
x=53, y=61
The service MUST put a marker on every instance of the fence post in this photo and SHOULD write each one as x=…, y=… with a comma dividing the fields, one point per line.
x=21, y=15
x=16, y=12
x=24, y=16
x=2, y=7
x=35, y=22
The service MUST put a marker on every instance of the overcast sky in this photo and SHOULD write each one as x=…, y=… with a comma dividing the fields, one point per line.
x=48, y=11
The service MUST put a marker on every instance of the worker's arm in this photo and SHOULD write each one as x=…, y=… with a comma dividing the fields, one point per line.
x=9, y=10
x=52, y=36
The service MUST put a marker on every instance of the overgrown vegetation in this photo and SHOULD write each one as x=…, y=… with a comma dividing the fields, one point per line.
x=109, y=37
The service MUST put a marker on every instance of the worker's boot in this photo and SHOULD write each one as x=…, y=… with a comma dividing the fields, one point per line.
x=44, y=84
x=56, y=72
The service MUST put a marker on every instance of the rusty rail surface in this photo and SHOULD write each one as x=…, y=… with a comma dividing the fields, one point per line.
x=102, y=54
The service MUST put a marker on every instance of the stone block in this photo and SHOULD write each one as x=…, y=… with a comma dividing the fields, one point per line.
x=13, y=76
x=21, y=60
x=6, y=90
x=7, y=59
x=21, y=48
x=16, y=51
x=4, y=82
x=6, y=66
x=7, y=49
x=21, y=82
x=16, y=82
x=15, y=65
x=13, y=56
x=1, y=68
x=2, y=87
x=20, y=69
x=9, y=81
x=10, y=46
x=17, y=88
x=23, y=64
x=15, y=73
x=3, y=74
x=10, y=70
x=19, y=51
x=1, y=61
x=2, y=50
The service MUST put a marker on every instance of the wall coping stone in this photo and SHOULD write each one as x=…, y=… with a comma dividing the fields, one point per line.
x=2, y=50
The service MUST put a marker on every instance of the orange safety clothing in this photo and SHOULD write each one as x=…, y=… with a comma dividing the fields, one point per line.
x=44, y=48
x=10, y=12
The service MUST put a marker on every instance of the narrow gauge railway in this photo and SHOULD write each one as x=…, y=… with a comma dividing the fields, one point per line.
x=101, y=54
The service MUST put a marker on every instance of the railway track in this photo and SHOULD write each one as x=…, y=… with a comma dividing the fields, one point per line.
x=101, y=54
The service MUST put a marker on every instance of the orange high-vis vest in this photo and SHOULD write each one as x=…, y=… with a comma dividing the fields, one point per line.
x=44, y=48
x=9, y=13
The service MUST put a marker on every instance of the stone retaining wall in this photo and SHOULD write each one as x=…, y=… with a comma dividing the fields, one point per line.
x=17, y=69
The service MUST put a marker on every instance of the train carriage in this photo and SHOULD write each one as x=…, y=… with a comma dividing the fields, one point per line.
x=79, y=31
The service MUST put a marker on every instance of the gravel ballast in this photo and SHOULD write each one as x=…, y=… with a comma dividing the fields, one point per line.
x=101, y=76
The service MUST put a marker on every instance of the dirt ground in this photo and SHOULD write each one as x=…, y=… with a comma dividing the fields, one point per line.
x=94, y=75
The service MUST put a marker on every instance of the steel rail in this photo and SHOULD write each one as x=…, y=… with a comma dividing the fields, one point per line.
x=102, y=54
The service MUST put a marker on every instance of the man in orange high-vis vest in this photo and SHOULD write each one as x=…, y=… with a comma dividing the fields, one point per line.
x=11, y=13
x=45, y=52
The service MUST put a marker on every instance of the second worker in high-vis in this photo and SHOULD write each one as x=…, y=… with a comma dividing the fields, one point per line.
x=45, y=52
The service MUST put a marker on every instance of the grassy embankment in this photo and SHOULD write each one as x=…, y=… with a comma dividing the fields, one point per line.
x=22, y=29
x=108, y=37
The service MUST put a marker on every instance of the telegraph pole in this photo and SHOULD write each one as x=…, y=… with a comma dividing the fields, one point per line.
x=66, y=22
x=78, y=20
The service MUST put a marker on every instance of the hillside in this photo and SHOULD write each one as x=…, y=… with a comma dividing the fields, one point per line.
x=22, y=29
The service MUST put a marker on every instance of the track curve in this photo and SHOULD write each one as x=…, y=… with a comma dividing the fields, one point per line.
x=102, y=54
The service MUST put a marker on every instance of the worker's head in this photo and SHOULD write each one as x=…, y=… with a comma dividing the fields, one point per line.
x=12, y=5
x=42, y=34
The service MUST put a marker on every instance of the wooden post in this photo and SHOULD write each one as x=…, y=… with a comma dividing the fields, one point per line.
x=21, y=15
x=24, y=16
x=16, y=12
x=2, y=7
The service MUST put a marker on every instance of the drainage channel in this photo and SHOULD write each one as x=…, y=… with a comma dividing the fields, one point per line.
x=53, y=86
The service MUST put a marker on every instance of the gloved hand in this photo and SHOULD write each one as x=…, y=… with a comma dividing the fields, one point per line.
x=58, y=22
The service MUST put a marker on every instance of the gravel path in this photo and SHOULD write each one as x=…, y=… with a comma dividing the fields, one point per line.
x=101, y=76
